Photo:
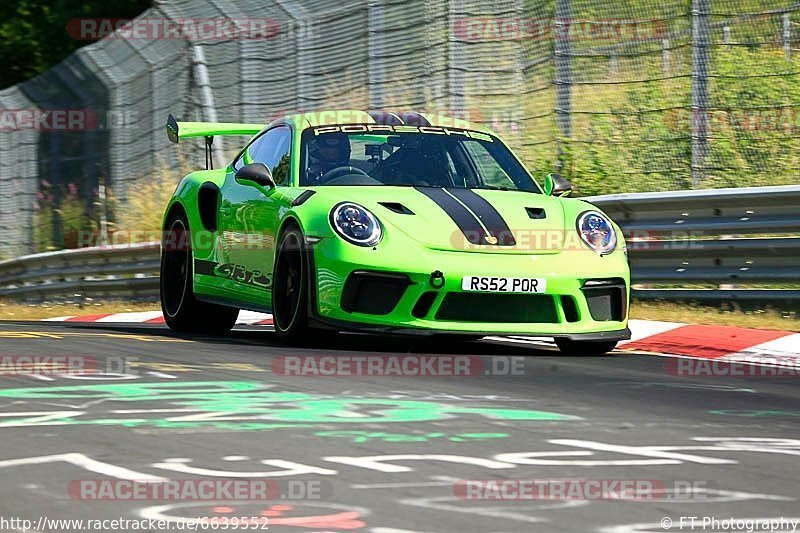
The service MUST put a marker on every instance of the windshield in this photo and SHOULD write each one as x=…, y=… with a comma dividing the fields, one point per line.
x=409, y=156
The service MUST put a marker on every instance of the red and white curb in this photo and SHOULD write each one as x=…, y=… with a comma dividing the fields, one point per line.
x=720, y=343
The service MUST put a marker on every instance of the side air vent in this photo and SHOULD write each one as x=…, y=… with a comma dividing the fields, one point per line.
x=397, y=208
x=536, y=213
x=207, y=200
x=302, y=197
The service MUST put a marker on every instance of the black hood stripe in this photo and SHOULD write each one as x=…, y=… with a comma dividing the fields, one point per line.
x=492, y=220
x=466, y=221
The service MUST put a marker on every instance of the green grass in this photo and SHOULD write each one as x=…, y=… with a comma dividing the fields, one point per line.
x=21, y=311
x=726, y=315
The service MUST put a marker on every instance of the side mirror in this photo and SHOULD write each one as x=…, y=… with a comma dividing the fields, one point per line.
x=556, y=185
x=257, y=173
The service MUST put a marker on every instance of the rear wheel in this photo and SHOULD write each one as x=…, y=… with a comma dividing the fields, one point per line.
x=182, y=310
x=571, y=347
x=290, y=288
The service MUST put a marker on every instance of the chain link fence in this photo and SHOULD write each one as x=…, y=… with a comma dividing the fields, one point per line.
x=642, y=95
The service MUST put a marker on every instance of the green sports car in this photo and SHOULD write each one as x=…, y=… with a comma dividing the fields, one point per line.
x=388, y=223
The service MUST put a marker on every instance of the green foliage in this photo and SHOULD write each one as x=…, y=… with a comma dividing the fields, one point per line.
x=632, y=137
x=61, y=218
x=33, y=33
x=43, y=229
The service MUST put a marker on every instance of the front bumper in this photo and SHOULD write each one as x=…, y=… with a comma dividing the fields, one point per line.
x=334, y=262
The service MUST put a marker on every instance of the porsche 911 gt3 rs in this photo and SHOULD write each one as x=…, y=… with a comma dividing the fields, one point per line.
x=388, y=223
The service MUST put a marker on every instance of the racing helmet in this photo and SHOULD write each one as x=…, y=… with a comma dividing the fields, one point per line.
x=331, y=148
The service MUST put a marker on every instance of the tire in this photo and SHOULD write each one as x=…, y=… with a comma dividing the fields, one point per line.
x=290, y=287
x=183, y=312
x=584, y=348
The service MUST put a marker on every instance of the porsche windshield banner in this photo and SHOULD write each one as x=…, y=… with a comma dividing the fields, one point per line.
x=383, y=128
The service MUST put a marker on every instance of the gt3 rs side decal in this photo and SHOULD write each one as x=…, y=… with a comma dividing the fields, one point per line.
x=235, y=272
x=492, y=220
x=464, y=219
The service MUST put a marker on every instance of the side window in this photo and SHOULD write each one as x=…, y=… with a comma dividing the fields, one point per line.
x=273, y=149
x=491, y=171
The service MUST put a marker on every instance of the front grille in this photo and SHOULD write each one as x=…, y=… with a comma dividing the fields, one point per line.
x=494, y=308
x=374, y=293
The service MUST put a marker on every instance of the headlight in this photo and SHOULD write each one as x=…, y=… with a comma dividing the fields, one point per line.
x=355, y=224
x=597, y=232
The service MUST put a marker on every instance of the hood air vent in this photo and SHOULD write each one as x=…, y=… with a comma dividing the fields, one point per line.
x=397, y=208
x=536, y=213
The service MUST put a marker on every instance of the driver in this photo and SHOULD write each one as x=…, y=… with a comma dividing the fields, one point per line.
x=328, y=151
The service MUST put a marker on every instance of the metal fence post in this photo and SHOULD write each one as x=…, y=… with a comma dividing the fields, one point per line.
x=563, y=74
x=787, y=36
x=456, y=60
x=376, y=54
x=206, y=96
x=700, y=44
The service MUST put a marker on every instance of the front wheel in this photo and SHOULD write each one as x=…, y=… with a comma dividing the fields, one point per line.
x=182, y=310
x=588, y=348
x=290, y=288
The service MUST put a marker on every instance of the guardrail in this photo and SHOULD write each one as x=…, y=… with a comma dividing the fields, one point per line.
x=675, y=239
x=686, y=238
x=120, y=271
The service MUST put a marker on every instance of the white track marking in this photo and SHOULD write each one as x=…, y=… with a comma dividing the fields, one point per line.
x=641, y=329
x=142, y=316
x=87, y=463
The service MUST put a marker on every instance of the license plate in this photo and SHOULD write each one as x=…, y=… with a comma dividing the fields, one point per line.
x=496, y=284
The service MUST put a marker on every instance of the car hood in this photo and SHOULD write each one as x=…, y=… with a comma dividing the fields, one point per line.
x=469, y=220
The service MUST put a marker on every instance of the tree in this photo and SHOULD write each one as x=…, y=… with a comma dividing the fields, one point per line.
x=33, y=33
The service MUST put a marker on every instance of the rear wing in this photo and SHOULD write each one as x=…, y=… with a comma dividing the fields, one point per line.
x=182, y=130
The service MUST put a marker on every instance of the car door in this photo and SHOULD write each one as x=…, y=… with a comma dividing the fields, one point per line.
x=249, y=214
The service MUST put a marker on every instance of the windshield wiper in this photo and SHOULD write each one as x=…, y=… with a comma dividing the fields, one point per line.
x=494, y=188
x=499, y=188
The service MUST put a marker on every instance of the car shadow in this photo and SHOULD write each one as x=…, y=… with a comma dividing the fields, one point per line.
x=349, y=342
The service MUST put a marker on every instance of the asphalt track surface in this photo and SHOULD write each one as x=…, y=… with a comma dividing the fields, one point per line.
x=198, y=408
